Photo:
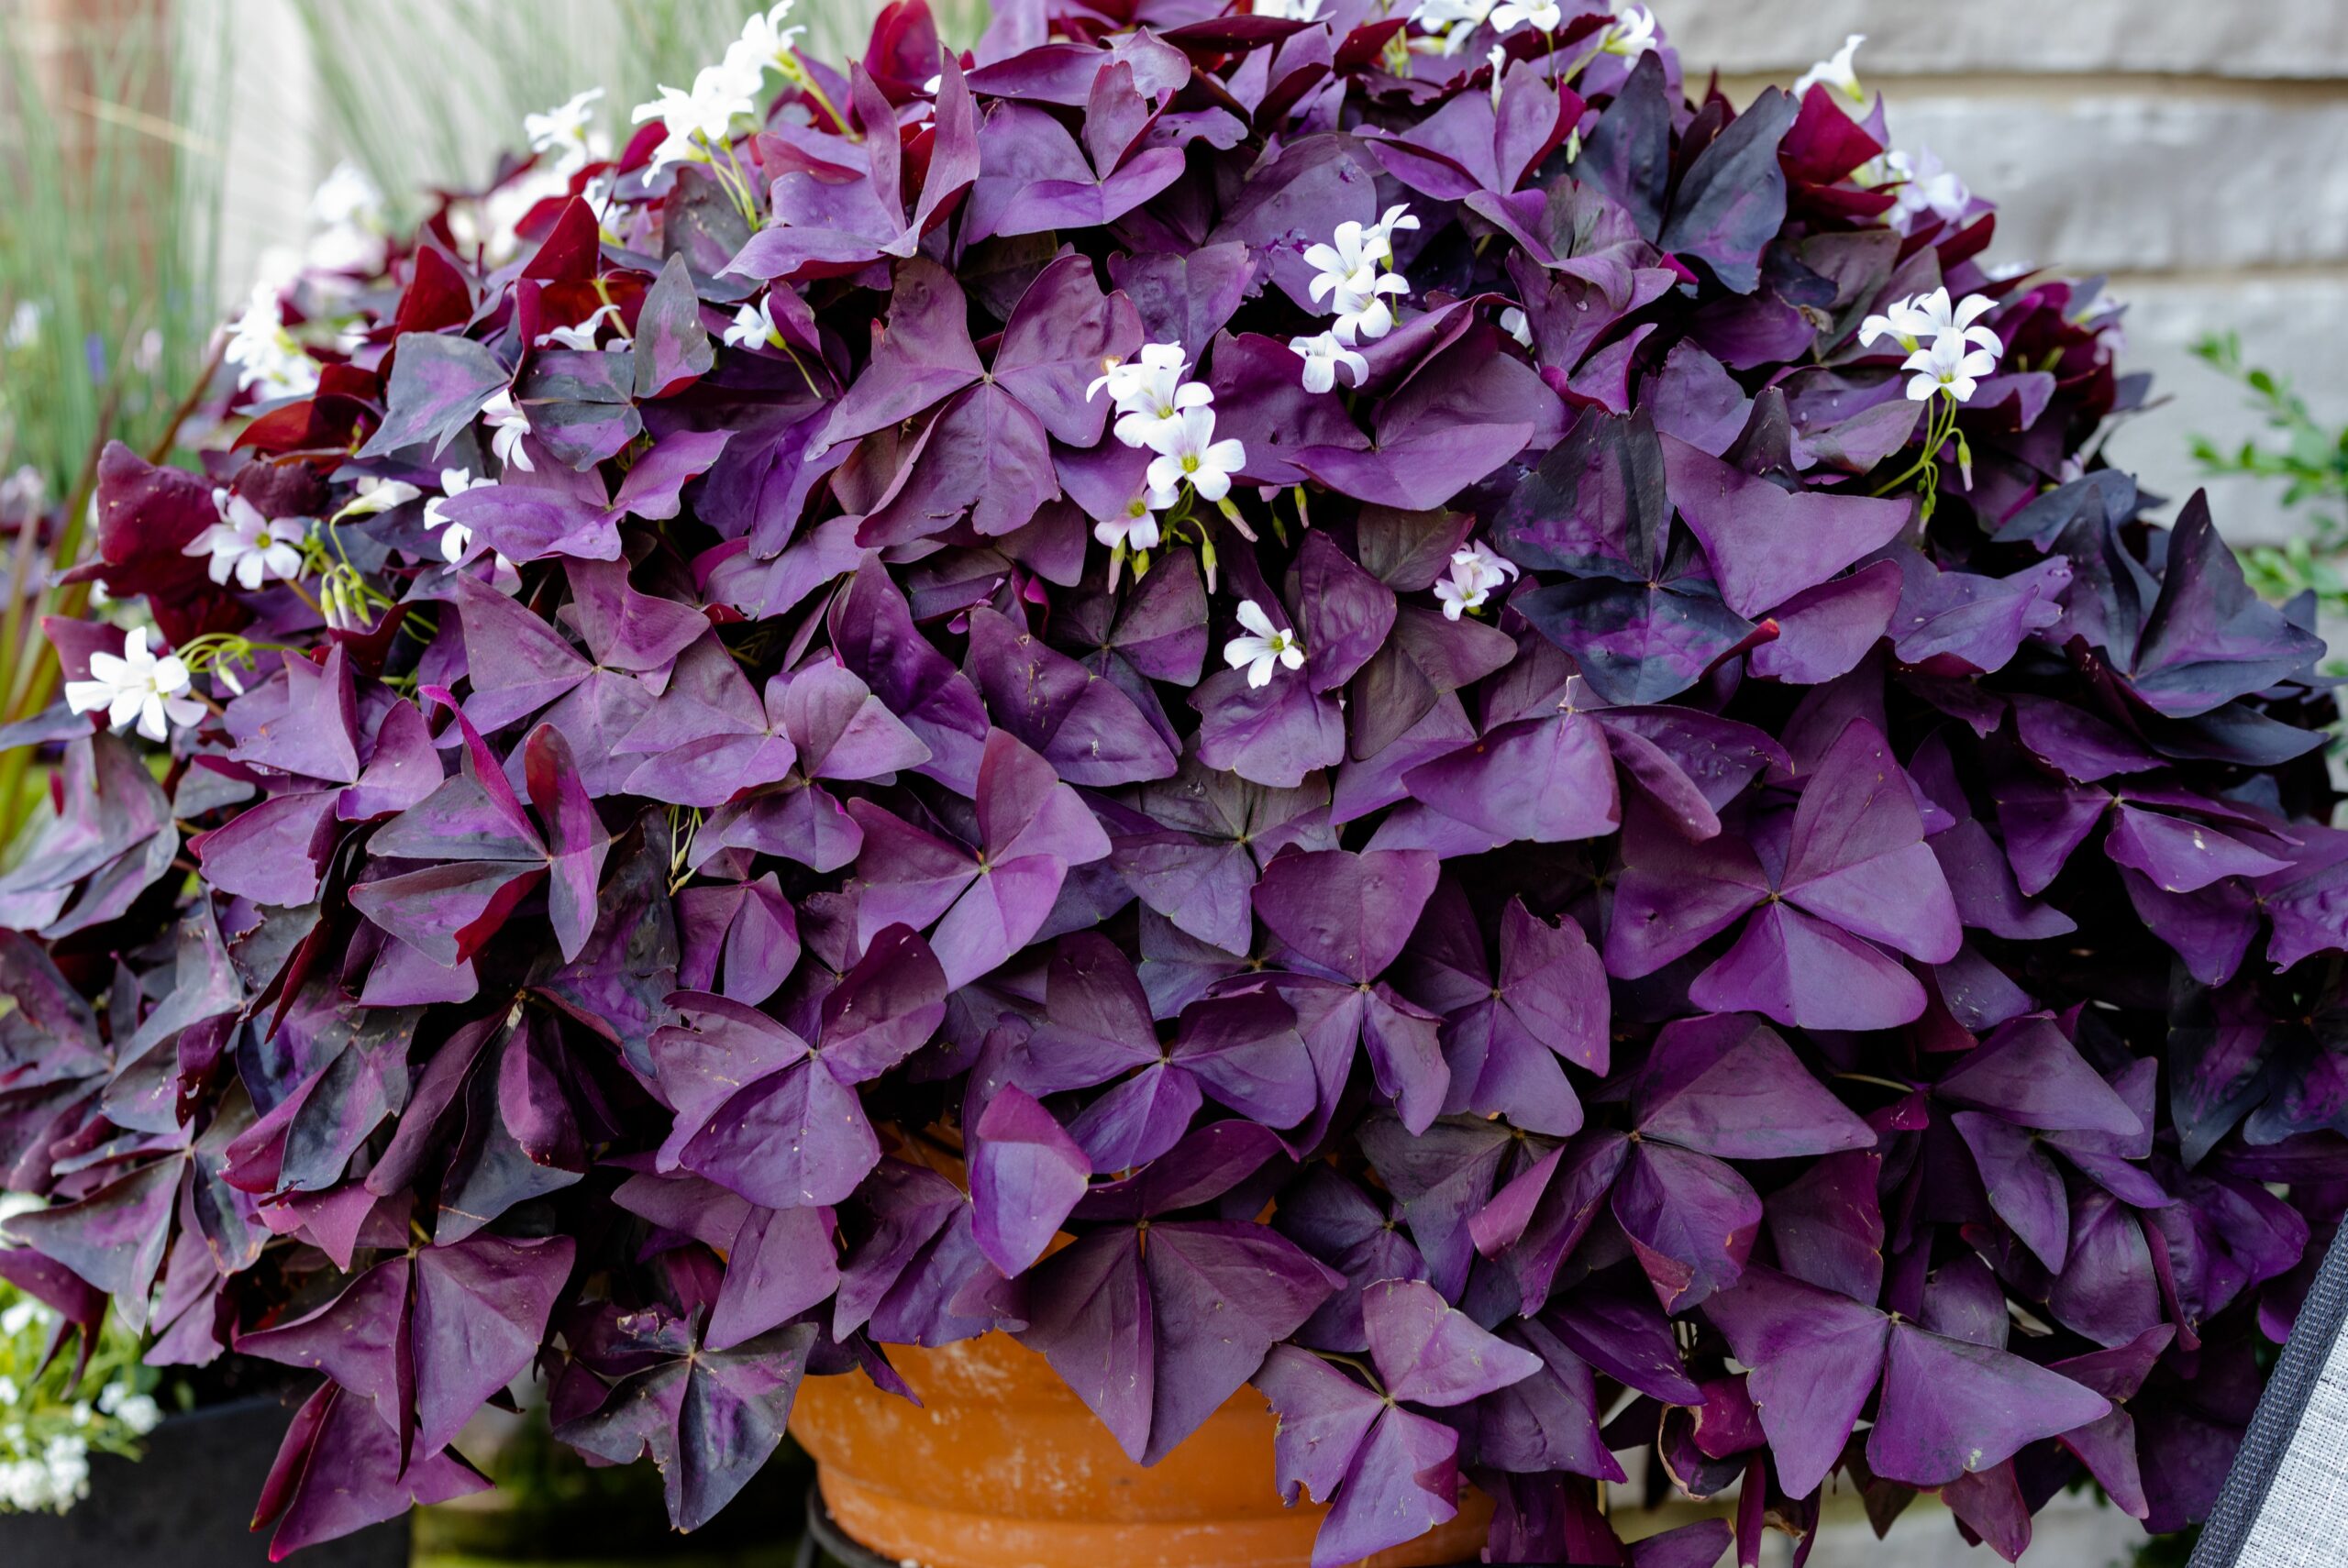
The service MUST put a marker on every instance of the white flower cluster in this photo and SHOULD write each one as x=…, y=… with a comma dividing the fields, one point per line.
x=348, y=207
x=1947, y=349
x=265, y=354
x=1158, y=407
x=47, y=1436
x=137, y=685
x=699, y=120
x=1353, y=276
x=49, y=1481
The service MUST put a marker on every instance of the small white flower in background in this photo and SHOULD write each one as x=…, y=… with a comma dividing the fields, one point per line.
x=1632, y=35
x=1475, y=570
x=248, y=545
x=1264, y=648
x=1186, y=450
x=1947, y=365
x=24, y=493
x=1322, y=356
x=582, y=336
x=347, y=196
x=265, y=354
x=507, y=426
x=754, y=325
x=378, y=494
x=697, y=120
x=1514, y=322
x=1839, y=76
x=24, y=323
x=133, y=685
x=1289, y=10
x=455, y=537
x=1455, y=21
x=1927, y=186
x=563, y=131
x=1510, y=14
x=1136, y=530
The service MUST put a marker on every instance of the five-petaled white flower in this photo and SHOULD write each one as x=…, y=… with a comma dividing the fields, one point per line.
x=1947, y=365
x=1475, y=570
x=582, y=336
x=1377, y=240
x=1264, y=648
x=1510, y=14
x=137, y=684
x=563, y=130
x=248, y=545
x=1839, y=76
x=455, y=537
x=507, y=426
x=1322, y=356
x=1632, y=35
x=1360, y=304
x=1186, y=450
x=1926, y=318
x=754, y=325
x=698, y=120
x=1150, y=394
x=378, y=494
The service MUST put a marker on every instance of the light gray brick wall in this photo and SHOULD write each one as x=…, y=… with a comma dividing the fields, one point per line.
x=2194, y=150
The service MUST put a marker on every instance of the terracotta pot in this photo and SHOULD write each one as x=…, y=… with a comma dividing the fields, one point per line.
x=1004, y=1467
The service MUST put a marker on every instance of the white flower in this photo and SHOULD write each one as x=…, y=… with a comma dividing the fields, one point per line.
x=1632, y=35
x=563, y=131
x=1455, y=21
x=1360, y=304
x=698, y=120
x=1186, y=450
x=1926, y=186
x=1377, y=240
x=507, y=426
x=1933, y=316
x=1266, y=648
x=347, y=196
x=24, y=323
x=1514, y=323
x=135, y=684
x=1839, y=76
x=1289, y=10
x=1948, y=366
x=1347, y=252
x=1510, y=15
x=1900, y=319
x=248, y=545
x=1475, y=573
x=1322, y=356
x=1136, y=530
x=754, y=325
x=765, y=41
x=455, y=537
x=582, y=336
x=1149, y=393
x=265, y=354
x=376, y=494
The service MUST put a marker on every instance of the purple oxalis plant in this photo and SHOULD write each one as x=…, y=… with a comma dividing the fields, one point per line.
x=1368, y=679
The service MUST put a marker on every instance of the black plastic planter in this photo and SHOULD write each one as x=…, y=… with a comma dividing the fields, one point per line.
x=188, y=1504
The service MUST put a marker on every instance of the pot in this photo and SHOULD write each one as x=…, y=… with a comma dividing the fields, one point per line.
x=1001, y=1466
x=190, y=1500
